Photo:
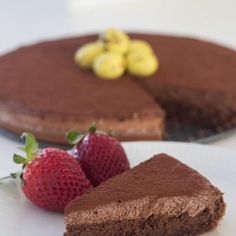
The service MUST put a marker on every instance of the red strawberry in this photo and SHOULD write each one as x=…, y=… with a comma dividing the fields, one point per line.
x=51, y=178
x=101, y=156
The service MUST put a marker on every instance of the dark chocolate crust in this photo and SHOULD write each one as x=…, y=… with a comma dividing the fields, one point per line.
x=161, y=196
x=155, y=225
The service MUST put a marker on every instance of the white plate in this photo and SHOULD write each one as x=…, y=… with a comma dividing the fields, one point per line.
x=19, y=217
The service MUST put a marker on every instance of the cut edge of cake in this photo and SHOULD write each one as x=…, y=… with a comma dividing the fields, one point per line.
x=146, y=126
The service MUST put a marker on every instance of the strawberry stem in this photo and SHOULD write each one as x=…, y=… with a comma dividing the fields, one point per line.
x=11, y=176
x=4, y=178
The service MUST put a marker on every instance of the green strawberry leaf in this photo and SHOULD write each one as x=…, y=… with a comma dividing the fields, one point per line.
x=31, y=149
x=92, y=128
x=15, y=175
x=19, y=159
x=31, y=146
x=74, y=137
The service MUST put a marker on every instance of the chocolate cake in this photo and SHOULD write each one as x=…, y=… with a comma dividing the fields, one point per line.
x=43, y=91
x=161, y=197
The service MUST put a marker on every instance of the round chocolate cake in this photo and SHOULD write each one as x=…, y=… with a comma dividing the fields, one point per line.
x=43, y=91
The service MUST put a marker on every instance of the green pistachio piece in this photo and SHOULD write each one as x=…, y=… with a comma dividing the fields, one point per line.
x=137, y=45
x=87, y=53
x=116, y=40
x=142, y=64
x=109, y=65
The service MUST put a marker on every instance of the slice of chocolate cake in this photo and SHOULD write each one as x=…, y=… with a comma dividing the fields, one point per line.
x=160, y=197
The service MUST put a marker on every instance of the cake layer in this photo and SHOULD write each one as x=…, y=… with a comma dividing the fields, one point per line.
x=159, y=190
x=147, y=125
x=156, y=225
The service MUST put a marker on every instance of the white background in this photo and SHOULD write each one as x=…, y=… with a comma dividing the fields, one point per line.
x=27, y=21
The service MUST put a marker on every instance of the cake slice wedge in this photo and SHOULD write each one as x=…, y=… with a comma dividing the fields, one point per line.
x=159, y=197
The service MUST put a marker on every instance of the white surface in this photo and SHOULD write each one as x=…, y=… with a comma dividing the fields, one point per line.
x=27, y=21
x=19, y=217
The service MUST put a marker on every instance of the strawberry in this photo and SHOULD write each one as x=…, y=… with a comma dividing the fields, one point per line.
x=101, y=156
x=51, y=178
